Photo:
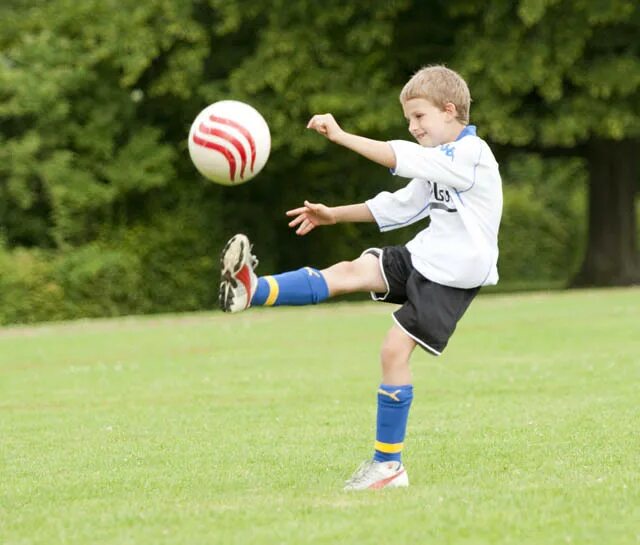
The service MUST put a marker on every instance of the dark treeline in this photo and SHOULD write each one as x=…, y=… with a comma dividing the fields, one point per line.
x=102, y=213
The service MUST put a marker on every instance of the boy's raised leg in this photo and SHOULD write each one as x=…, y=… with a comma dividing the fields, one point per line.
x=240, y=288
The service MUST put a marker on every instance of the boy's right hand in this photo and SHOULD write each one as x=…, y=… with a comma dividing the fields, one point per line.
x=326, y=125
x=310, y=216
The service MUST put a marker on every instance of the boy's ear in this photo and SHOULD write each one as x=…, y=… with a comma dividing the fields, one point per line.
x=451, y=109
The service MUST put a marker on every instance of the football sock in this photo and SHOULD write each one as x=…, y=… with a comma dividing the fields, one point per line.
x=305, y=286
x=393, y=410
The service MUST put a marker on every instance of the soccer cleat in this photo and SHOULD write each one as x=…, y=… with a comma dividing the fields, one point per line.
x=238, y=282
x=373, y=475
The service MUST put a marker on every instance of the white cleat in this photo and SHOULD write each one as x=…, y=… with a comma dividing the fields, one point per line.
x=373, y=475
x=238, y=282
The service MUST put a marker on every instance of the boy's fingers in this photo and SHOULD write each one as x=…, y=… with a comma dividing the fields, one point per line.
x=296, y=221
x=296, y=211
x=305, y=227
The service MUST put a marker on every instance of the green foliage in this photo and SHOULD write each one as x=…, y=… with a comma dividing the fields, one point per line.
x=96, y=98
x=98, y=281
x=565, y=69
x=542, y=233
x=178, y=262
x=73, y=113
x=89, y=281
x=28, y=290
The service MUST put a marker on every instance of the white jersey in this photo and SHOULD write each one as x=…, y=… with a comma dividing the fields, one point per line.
x=458, y=185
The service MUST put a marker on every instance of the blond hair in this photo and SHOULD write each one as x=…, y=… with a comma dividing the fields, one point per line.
x=440, y=85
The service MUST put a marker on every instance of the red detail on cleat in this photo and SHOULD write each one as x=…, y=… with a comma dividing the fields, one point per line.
x=244, y=275
x=384, y=482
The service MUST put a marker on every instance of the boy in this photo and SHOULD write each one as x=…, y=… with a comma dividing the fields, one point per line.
x=454, y=180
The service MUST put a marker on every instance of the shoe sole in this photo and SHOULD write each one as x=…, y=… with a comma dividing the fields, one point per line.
x=397, y=480
x=232, y=259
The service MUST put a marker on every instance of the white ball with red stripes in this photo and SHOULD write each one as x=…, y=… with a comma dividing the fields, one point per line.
x=229, y=142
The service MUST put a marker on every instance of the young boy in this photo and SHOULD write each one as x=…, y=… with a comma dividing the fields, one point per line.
x=454, y=180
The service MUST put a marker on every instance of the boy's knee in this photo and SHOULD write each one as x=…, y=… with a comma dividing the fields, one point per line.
x=361, y=274
x=346, y=267
x=392, y=354
x=396, y=348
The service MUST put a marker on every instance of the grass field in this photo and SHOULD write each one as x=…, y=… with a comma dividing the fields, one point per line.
x=207, y=428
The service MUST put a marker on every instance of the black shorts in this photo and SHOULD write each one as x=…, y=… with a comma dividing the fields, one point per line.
x=429, y=312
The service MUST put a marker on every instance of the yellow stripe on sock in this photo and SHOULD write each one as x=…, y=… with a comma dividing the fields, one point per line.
x=389, y=448
x=274, y=290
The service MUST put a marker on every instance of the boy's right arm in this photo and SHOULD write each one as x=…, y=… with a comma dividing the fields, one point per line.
x=312, y=215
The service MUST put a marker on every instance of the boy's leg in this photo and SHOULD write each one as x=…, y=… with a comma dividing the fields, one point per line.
x=241, y=288
x=361, y=274
x=395, y=394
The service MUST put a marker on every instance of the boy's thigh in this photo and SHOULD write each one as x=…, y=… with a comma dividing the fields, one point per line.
x=361, y=274
x=432, y=311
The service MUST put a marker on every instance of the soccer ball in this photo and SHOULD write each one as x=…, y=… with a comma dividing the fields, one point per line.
x=229, y=142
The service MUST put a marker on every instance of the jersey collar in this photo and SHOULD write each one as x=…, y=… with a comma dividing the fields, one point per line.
x=469, y=130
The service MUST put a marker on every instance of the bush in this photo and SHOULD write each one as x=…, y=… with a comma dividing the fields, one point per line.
x=543, y=228
x=99, y=281
x=28, y=290
x=87, y=282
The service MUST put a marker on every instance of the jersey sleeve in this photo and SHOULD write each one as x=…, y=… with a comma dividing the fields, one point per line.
x=403, y=207
x=453, y=164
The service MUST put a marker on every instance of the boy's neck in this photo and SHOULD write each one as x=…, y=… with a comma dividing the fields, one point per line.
x=456, y=130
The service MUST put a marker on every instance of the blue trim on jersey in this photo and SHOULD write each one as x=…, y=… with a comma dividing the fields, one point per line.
x=407, y=221
x=475, y=168
x=469, y=130
x=491, y=267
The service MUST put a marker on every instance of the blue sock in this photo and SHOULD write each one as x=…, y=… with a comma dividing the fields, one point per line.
x=394, y=403
x=305, y=286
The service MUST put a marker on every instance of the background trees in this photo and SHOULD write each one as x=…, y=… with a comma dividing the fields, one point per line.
x=567, y=83
x=102, y=213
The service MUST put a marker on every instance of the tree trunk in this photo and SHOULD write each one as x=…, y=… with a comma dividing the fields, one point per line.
x=612, y=257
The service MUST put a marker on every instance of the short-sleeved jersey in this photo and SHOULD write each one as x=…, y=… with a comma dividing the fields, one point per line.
x=458, y=185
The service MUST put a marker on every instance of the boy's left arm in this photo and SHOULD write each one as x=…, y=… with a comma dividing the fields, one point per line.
x=453, y=164
x=374, y=150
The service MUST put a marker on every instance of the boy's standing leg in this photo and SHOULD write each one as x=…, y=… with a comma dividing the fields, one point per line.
x=241, y=288
x=395, y=395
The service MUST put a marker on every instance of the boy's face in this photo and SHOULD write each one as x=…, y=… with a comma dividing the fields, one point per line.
x=430, y=125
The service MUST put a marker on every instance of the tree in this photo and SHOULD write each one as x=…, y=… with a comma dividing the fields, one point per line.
x=96, y=98
x=76, y=82
x=563, y=76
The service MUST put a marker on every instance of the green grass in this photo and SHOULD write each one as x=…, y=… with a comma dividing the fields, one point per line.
x=207, y=428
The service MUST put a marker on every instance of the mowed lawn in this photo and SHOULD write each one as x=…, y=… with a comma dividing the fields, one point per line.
x=208, y=428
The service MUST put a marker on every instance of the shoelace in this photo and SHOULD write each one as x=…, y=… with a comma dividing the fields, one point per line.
x=361, y=472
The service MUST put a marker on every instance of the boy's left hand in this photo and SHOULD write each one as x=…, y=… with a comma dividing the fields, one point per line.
x=326, y=125
x=311, y=215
